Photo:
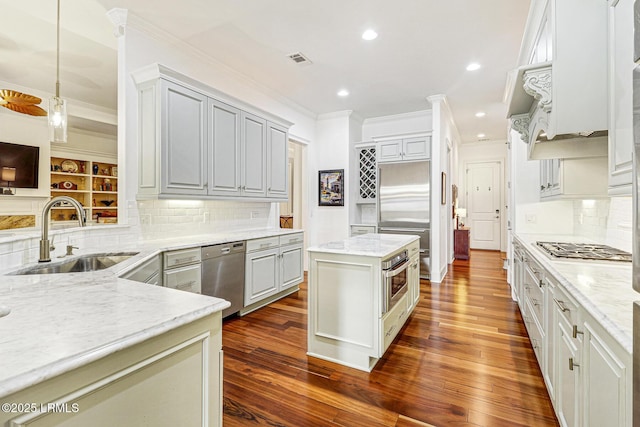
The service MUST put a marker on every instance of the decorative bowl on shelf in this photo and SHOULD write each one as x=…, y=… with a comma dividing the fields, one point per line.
x=107, y=202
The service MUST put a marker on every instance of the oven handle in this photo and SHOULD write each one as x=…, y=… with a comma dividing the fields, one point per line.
x=397, y=269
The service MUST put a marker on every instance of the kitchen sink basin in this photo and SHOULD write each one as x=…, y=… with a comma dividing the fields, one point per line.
x=83, y=263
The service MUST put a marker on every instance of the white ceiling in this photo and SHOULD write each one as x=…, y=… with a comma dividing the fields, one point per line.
x=422, y=49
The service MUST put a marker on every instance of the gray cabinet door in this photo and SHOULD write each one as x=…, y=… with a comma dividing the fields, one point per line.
x=254, y=155
x=292, y=266
x=224, y=149
x=277, y=181
x=261, y=275
x=184, y=140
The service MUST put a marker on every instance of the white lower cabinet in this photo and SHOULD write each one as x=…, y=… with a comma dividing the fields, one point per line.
x=607, y=385
x=182, y=270
x=174, y=379
x=586, y=371
x=569, y=389
x=273, y=268
x=347, y=324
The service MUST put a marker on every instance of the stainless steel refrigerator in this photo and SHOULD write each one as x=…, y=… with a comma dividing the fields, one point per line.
x=636, y=215
x=404, y=192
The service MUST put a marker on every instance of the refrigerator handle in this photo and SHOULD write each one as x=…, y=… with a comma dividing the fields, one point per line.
x=404, y=230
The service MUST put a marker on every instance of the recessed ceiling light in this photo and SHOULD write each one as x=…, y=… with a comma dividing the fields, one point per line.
x=481, y=135
x=369, y=35
x=343, y=92
x=481, y=114
x=473, y=66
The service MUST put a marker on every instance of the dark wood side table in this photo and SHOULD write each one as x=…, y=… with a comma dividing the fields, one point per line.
x=461, y=242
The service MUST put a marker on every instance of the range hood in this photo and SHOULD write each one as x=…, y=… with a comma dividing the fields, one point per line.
x=557, y=121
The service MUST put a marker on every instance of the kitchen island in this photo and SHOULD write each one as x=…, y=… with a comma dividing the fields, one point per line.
x=91, y=349
x=95, y=349
x=352, y=317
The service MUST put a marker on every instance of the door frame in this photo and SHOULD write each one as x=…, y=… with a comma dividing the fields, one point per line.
x=503, y=208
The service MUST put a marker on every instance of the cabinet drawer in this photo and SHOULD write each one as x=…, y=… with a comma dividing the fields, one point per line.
x=184, y=278
x=393, y=322
x=262, y=244
x=181, y=257
x=536, y=335
x=291, y=239
x=414, y=248
x=534, y=294
x=566, y=306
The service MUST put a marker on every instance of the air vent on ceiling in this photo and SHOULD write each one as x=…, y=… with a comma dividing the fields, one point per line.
x=299, y=58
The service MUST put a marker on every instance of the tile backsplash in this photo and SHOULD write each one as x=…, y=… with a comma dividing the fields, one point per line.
x=157, y=217
x=606, y=220
x=149, y=220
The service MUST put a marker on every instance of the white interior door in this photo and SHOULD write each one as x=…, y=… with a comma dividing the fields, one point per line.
x=483, y=204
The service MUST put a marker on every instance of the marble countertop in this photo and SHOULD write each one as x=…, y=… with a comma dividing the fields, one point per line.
x=374, y=245
x=59, y=322
x=603, y=288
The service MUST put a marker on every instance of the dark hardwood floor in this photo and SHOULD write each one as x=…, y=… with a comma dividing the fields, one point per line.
x=462, y=359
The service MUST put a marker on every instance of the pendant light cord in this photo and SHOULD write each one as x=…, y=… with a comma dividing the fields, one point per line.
x=58, y=54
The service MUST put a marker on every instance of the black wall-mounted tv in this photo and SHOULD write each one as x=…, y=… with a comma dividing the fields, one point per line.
x=25, y=159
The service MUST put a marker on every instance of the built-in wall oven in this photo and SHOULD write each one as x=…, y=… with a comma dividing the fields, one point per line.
x=394, y=280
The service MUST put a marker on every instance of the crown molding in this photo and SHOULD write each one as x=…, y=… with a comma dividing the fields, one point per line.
x=140, y=24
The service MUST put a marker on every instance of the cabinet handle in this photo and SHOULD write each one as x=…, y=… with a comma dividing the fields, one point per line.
x=534, y=343
x=542, y=188
x=535, y=302
x=183, y=260
x=560, y=304
x=548, y=185
x=390, y=331
x=572, y=364
x=576, y=331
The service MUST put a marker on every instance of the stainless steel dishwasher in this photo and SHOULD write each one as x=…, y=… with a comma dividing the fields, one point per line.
x=223, y=274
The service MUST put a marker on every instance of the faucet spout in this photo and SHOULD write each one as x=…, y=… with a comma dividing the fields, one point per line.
x=45, y=244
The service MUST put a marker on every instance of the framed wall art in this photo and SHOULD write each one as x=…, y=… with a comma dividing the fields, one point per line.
x=331, y=187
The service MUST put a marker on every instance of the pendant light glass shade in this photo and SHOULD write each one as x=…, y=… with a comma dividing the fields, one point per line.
x=57, y=120
x=57, y=105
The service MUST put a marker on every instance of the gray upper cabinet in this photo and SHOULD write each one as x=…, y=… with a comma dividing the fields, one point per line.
x=198, y=143
x=277, y=181
x=254, y=155
x=184, y=147
x=224, y=154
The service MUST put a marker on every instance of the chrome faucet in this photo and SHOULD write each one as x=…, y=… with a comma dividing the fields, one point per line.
x=45, y=244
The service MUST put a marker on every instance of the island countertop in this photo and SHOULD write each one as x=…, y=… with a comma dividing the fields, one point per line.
x=374, y=245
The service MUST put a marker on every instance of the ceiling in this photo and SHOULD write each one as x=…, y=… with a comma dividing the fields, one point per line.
x=422, y=49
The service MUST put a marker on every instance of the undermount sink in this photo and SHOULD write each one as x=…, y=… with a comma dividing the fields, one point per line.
x=83, y=263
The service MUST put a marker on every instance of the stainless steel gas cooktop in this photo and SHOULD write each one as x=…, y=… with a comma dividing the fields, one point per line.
x=584, y=251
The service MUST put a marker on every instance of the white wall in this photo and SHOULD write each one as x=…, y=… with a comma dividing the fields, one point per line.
x=397, y=124
x=330, y=151
x=445, y=135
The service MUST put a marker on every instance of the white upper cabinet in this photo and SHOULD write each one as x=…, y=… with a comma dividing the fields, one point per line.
x=196, y=142
x=394, y=150
x=558, y=98
x=620, y=96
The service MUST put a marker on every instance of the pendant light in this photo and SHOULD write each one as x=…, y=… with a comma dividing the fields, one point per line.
x=57, y=105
